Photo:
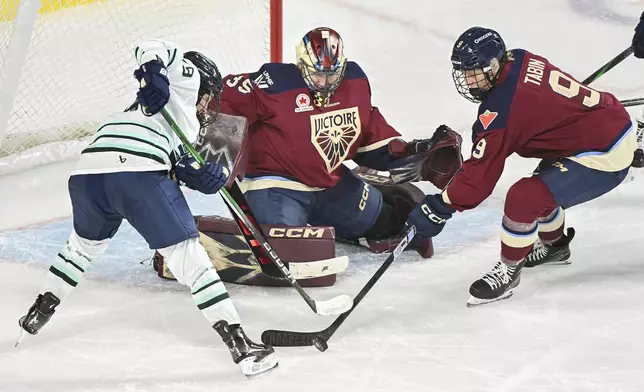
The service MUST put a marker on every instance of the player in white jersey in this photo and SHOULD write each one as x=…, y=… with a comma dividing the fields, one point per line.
x=124, y=174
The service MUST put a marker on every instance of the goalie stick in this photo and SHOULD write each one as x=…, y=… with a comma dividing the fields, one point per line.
x=255, y=237
x=319, y=339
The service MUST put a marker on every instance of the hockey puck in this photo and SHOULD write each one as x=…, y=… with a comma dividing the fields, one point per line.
x=320, y=343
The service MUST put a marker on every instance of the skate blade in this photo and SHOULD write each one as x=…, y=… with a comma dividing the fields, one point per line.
x=252, y=369
x=21, y=337
x=473, y=301
x=554, y=262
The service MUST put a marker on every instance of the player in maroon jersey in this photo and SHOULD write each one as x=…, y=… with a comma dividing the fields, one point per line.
x=305, y=120
x=529, y=107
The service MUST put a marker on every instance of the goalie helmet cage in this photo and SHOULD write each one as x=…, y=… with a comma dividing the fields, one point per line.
x=65, y=65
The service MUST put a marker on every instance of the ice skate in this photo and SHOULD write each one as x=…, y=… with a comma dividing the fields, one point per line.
x=496, y=285
x=557, y=253
x=38, y=315
x=252, y=358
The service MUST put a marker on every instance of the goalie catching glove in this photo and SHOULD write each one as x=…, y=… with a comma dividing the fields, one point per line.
x=436, y=159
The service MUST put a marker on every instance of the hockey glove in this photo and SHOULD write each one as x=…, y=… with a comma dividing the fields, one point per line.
x=208, y=179
x=430, y=216
x=154, y=91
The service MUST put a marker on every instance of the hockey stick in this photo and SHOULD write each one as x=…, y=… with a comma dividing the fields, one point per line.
x=303, y=270
x=319, y=339
x=335, y=305
x=609, y=65
x=632, y=102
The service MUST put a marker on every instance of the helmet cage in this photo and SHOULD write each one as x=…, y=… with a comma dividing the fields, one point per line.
x=485, y=80
x=322, y=63
x=210, y=87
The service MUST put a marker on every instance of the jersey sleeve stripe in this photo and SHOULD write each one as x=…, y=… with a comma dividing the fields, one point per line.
x=128, y=137
x=135, y=124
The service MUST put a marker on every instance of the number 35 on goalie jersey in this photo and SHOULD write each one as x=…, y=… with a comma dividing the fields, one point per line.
x=538, y=111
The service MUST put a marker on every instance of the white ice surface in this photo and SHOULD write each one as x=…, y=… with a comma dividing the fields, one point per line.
x=570, y=328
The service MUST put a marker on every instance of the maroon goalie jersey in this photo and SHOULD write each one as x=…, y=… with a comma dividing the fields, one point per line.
x=538, y=111
x=292, y=140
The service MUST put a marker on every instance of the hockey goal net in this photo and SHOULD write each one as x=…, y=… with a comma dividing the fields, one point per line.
x=67, y=64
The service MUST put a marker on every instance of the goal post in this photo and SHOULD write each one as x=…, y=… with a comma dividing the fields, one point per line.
x=66, y=65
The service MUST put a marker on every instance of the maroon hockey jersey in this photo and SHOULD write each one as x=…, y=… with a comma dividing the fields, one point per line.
x=292, y=139
x=538, y=111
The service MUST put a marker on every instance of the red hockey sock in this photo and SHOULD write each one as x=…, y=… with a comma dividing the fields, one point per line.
x=526, y=201
x=551, y=226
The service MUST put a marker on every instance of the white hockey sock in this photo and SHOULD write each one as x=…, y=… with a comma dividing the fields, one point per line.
x=211, y=297
x=190, y=265
x=71, y=263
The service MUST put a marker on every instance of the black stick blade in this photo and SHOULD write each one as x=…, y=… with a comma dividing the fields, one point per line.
x=279, y=338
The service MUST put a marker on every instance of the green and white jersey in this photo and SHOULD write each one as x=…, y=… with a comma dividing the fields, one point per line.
x=131, y=141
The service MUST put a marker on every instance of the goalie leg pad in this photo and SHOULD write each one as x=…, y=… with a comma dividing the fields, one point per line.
x=235, y=263
x=402, y=199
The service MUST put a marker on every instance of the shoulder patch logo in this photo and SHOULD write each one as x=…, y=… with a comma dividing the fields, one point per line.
x=487, y=118
x=303, y=103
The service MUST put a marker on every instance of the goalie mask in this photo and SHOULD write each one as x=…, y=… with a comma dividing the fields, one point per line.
x=477, y=58
x=320, y=58
x=209, y=88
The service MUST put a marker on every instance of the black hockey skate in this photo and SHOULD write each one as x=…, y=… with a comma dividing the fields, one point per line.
x=496, y=285
x=638, y=159
x=252, y=358
x=556, y=254
x=38, y=315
